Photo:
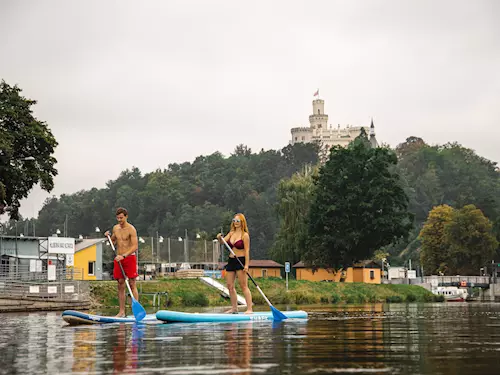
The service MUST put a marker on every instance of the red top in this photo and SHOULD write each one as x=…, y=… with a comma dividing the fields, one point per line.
x=238, y=244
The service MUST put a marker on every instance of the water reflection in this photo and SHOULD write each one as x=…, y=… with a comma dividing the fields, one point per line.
x=405, y=339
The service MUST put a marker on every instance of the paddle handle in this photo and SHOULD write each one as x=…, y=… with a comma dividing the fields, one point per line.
x=250, y=276
x=121, y=268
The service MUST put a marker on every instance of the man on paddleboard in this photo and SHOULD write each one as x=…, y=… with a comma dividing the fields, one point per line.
x=125, y=239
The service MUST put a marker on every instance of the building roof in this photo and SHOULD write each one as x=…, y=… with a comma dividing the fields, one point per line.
x=257, y=263
x=83, y=244
x=363, y=264
x=366, y=264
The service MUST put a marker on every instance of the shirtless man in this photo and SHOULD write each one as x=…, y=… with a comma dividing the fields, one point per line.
x=125, y=239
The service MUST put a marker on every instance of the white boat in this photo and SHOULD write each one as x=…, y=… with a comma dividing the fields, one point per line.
x=451, y=293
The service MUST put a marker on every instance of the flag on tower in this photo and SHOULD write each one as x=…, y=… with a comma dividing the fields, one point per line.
x=316, y=93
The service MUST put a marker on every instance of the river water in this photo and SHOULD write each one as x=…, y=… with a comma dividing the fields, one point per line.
x=438, y=338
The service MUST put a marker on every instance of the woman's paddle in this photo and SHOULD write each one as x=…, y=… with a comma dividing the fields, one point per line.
x=277, y=315
x=137, y=309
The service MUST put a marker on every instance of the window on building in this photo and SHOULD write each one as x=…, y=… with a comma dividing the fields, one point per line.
x=264, y=273
x=303, y=138
x=91, y=268
x=372, y=274
x=295, y=138
x=319, y=113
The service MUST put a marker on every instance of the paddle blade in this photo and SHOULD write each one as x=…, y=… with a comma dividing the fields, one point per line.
x=138, y=310
x=278, y=315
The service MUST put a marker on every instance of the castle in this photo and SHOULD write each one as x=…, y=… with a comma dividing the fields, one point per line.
x=319, y=130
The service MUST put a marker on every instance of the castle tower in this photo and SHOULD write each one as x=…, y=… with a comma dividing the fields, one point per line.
x=373, y=140
x=318, y=120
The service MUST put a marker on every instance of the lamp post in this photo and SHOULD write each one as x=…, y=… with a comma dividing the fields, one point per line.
x=159, y=241
x=141, y=240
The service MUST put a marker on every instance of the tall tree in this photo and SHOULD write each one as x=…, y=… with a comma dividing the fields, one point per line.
x=295, y=196
x=457, y=241
x=26, y=149
x=434, y=250
x=359, y=206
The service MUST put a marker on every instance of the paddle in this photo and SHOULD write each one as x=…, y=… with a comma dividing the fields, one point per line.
x=137, y=309
x=277, y=315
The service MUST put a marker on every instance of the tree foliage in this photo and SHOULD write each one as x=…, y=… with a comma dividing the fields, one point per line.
x=294, y=200
x=22, y=137
x=359, y=206
x=444, y=174
x=201, y=196
x=457, y=241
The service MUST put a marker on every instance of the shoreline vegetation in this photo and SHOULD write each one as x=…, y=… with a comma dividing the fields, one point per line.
x=193, y=293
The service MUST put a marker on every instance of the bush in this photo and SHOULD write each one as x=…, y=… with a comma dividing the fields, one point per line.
x=394, y=299
x=411, y=297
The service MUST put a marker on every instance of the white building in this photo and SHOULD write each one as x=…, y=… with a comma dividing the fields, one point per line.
x=319, y=130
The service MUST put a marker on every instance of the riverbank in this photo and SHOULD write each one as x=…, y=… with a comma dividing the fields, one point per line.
x=192, y=292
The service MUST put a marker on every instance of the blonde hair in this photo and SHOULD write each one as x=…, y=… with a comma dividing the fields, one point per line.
x=244, y=226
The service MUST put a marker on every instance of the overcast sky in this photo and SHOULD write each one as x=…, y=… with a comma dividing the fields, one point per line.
x=148, y=83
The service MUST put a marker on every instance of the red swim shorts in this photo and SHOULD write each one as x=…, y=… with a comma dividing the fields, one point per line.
x=129, y=265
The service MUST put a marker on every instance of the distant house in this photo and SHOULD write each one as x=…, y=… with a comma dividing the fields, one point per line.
x=88, y=258
x=260, y=268
x=366, y=272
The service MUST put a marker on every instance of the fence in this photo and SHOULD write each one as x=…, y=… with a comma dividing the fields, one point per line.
x=175, y=252
x=67, y=286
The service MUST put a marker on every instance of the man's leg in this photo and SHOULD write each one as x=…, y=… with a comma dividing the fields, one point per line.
x=121, y=296
x=133, y=286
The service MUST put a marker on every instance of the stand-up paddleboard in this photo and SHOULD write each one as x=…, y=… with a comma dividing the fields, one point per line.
x=182, y=317
x=76, y=317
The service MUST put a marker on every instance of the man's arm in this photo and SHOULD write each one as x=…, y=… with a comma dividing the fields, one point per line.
x=112, y=236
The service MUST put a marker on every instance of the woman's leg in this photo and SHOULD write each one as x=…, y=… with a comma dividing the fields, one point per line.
x=230, y=278
x=243, y=280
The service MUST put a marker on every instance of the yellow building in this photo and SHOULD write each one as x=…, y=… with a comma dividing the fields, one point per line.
x=363, y=272
x=260, y=268
x=88, y=259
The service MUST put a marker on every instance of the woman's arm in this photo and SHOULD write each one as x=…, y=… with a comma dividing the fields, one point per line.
x=246, y=242
x=228, y=236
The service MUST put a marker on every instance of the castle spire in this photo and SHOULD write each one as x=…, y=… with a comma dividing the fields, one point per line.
x=373, y=140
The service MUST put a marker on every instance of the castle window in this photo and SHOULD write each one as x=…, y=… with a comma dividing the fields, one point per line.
x=295, y=138
x=303, y=138
x=319, y=113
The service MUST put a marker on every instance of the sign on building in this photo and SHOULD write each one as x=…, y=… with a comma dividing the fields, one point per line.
x=61, y=245
x=70, y=260
x=51, y=272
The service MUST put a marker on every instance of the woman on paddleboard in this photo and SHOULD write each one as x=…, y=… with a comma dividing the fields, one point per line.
x=239, y=240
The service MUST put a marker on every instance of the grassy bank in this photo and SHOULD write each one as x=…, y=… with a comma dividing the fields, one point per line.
x=194, y=293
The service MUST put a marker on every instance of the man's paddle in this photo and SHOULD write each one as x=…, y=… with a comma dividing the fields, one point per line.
x=137, y=309
x=277, y=315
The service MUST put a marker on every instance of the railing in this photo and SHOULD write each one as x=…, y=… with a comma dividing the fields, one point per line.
x=63, y=285
x=457, y=279
x=23, y=273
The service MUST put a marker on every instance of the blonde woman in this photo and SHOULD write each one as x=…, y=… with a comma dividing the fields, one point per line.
x=239, y=240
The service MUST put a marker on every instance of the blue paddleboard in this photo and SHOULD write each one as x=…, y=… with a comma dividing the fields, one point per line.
x=77, y=317
x=182, y=317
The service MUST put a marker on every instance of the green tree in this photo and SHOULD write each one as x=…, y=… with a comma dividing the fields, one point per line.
x=359, y=206
x=457, y=241
x=26, y=149
x=434, y=251
x=295, y=196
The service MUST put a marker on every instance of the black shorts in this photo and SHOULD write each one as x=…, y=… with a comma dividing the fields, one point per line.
x=233, y=265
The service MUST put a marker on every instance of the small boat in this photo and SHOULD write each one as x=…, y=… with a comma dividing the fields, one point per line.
x=452, y=293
